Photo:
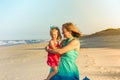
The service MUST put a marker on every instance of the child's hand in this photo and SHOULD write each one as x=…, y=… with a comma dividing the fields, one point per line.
x=46, y=48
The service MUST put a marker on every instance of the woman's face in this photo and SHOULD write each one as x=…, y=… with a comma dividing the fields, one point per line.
x=66, y=34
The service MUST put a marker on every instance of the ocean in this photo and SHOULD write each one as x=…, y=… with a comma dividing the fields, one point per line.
x=87, y=42
x=18, y=42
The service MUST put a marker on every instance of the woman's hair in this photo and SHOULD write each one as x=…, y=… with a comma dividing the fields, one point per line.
x=72, y=28
x=59, y=37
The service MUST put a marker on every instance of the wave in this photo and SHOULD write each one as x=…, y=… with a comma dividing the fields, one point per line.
x=18, y=42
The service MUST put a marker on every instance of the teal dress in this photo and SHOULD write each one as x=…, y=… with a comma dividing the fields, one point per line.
x=67, y=68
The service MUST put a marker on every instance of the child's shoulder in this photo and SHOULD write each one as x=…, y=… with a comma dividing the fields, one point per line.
x=52, y=42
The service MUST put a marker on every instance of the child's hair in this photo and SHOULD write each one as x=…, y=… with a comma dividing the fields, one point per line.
x=59, y=37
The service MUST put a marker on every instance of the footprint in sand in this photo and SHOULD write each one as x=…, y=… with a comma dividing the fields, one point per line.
x=90, y=62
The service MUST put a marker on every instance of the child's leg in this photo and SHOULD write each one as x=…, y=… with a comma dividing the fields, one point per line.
x=55, y=70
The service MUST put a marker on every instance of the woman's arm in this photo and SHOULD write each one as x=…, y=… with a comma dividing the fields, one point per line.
x=74, y=44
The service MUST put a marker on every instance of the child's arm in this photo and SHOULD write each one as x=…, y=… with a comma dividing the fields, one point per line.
x=52, y=44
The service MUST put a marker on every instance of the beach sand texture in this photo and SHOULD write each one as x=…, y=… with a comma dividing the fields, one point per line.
x=28, y=62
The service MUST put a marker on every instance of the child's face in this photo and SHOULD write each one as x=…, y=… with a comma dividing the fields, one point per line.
x=54, y=33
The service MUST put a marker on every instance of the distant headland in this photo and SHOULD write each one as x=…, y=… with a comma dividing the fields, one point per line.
x=106, y=32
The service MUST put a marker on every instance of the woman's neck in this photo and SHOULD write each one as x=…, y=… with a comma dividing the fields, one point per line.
x=70, y=37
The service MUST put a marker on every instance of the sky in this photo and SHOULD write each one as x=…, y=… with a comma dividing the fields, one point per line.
x=30, y=19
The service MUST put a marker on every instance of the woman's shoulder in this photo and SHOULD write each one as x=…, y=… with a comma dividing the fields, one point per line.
x=75, y=42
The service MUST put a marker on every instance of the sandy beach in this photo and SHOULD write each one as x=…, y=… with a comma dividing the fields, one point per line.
x=28, y=62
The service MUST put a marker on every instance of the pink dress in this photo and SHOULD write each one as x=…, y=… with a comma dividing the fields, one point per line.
x=53, y=59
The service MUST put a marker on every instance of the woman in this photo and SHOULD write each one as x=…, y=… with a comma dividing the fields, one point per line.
x=67, y=68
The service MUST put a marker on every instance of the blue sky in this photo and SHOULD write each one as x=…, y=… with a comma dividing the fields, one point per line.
x=30, y=19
